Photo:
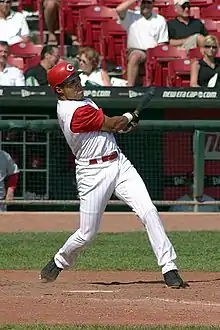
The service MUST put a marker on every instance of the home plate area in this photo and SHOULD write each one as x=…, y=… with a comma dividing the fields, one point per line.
x=109, y=298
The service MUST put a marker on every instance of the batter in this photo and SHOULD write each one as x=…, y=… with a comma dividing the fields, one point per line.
x=101, y=170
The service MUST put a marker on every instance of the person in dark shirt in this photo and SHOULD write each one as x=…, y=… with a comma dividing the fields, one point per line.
x=185, y=31
x=206, y=71
x=37, y=76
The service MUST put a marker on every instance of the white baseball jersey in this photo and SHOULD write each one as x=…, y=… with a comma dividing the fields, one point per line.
x=81, y=122
x=7, y=167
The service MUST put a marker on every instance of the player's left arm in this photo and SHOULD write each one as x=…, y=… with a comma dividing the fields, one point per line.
x=12, y=176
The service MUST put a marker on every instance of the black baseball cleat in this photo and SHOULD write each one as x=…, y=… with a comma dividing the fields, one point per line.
x=173, y=280
x=50, y=272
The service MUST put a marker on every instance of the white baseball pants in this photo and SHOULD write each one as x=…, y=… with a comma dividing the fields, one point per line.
x=96, y=184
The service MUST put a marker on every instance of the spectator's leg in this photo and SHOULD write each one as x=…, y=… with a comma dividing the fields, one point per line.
x=135, y=58
x=51, y=18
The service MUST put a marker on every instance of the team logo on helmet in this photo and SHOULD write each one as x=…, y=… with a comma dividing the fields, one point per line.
x=69, y=67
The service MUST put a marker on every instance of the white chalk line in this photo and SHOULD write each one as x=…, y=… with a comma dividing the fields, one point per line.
x=160, y=300
x=89, y=291
x=127, y=300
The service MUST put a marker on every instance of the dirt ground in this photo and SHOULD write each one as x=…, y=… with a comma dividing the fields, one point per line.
x=113, y=298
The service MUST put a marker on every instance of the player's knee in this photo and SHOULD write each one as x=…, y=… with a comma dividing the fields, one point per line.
x=148, y=209
x=87, y=236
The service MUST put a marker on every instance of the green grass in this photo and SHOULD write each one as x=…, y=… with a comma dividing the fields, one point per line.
x=126, y=251
x=59, y=327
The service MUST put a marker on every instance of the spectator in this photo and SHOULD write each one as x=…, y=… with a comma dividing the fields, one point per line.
x=9, y=75
x=91, y=73
x=185, y=31
x=8, y=171
x=205, y=72
x=189, y=197
x=145, y=30
x=51, y=8
x=37, y=76
x=13, y=25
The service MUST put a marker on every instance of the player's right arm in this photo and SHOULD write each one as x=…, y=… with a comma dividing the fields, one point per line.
x=117, y=123
x=88, y=119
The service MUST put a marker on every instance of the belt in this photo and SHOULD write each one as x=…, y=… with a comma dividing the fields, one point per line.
x=103, y=159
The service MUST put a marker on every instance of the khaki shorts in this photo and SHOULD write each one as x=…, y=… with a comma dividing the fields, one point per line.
x=131, y=50
x=191, y=42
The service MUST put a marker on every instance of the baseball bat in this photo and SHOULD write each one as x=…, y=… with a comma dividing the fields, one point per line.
x=145, y=100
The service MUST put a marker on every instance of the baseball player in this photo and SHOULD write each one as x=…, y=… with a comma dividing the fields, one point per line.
x=101, y=170
x=8, y=172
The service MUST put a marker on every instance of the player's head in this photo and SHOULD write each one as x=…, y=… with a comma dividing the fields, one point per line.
x=65, y=81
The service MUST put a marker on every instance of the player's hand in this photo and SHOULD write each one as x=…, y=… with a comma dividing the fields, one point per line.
x=136, y=117
x=135, y=120
x=125, y=130
x=9, y=195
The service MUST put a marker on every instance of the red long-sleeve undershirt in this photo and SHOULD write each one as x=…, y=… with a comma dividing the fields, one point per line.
x=87, y=119
x=12, y=181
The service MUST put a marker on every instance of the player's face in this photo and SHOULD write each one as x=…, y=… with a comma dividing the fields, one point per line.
x=73, y=90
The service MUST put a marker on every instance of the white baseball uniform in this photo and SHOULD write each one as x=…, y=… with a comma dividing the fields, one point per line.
x=101, y=170
x=7, y=169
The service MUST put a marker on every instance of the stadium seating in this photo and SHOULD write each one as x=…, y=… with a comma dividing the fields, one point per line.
x=69, y=17
x=156, y=66
x=89, y=28
x=211, y=25
x=25, y=49
x=16, y=61
x=179, y=73
x=31, y=61
x=95, y=24
x=201, y=3
x=211, y=12
x=114, y=42
x=31, y=5
x=196, y=53
x=169, y=12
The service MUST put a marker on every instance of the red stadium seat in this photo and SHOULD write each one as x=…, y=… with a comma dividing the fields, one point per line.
x=162, y=3
x=28, y=4
x=115, y=3
x=157, y=63
x=31, y=62
x=89, y=29
x=16, y=61
x=211, y=12
x=216, y=34
x=179, y=73
x=69, y=17
x=211, y=25
x=196, y=53
x=115, y=38
x=169, y=12
x=25, y=49
x=34, y=6
x=201, y=3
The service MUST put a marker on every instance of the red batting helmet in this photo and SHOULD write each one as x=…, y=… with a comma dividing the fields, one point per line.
x=60, y=73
